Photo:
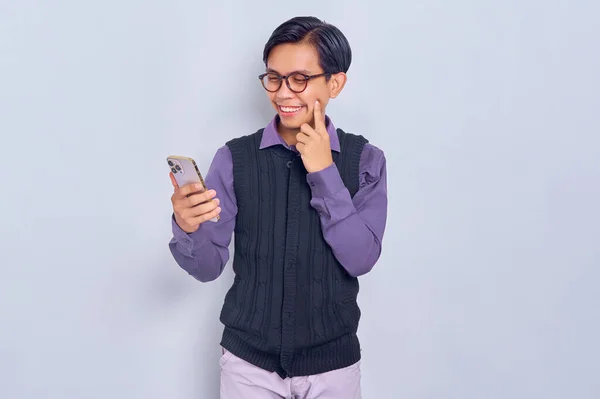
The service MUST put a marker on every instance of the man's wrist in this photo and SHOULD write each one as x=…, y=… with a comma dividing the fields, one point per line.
x=325, y=182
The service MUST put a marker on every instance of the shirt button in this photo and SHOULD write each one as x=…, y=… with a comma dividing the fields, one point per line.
x=312, y=183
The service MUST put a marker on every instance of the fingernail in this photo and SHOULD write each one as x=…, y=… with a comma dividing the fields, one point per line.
x=198, y=186
x=218, y=201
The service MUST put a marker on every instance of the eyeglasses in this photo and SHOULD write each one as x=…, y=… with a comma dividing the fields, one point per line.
x=296, y=82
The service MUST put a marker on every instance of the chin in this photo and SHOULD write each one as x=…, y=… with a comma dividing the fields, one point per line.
x=294, y=124
x=291, y=122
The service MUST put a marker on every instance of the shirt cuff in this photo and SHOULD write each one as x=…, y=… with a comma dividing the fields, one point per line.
x=186, y=241
x=325, y=183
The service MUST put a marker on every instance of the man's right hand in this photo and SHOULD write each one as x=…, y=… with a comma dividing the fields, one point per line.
x=191, y=206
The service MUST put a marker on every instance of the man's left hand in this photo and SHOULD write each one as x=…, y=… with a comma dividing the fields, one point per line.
x=313, y=144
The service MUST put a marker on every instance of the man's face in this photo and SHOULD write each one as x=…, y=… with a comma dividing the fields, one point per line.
x=294, y=109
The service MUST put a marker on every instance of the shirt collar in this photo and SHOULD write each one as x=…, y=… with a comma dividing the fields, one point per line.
x=271, y=137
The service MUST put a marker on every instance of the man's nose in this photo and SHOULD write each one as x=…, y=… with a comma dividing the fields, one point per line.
x=284, y=91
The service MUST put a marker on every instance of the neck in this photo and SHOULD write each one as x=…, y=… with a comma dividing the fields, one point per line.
x=289, y=135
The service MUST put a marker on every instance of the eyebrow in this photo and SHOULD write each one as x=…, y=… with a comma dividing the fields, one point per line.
x=303, y=71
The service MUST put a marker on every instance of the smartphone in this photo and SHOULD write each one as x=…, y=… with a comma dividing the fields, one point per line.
x=186, y=171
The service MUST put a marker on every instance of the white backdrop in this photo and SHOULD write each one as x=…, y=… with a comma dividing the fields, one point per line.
x=488, y=113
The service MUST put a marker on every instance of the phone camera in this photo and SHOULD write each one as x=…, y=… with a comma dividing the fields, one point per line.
x=173, y=170
x=177, y=167
x=170, y=163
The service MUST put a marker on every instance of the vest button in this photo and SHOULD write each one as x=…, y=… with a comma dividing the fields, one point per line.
x=289, y=164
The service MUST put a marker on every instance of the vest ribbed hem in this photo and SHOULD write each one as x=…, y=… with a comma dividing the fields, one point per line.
x=337, y=354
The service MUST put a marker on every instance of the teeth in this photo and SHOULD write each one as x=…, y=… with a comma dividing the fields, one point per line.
x=290, y=109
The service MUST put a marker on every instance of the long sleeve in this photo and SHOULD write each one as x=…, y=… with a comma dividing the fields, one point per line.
x=353, y=227
x=204, y=253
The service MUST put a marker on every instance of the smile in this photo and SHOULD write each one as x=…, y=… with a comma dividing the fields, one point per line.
x=289, y=110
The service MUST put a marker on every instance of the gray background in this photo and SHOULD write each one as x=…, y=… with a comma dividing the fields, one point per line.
x=488, y=113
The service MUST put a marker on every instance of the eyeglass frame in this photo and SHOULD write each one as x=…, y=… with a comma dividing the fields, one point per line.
x=307, y=78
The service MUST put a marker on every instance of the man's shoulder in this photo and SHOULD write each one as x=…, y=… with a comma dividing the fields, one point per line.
x=245, y=139
x=368, y=145
x=352, y=136
x=370, y=152
x=372, y=148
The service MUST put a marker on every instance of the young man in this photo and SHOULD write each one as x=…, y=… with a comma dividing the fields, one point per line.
x=308, y=204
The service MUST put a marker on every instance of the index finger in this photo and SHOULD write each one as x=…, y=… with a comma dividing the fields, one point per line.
x=173, y=181
x=320, y=118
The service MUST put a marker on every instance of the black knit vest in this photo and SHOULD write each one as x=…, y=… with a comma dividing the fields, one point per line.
x=292, y=307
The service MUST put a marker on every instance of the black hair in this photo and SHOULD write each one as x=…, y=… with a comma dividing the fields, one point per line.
x=332, y=46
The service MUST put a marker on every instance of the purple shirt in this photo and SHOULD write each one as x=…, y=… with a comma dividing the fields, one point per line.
x=353, y=227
